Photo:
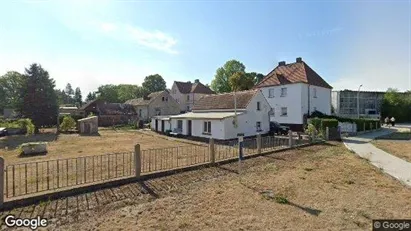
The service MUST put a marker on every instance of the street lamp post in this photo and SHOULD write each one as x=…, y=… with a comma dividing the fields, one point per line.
x=358, y=102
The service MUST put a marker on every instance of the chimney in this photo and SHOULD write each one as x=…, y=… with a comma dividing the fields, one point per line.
x=299, y=60
x=282, y=63
x=196, y=81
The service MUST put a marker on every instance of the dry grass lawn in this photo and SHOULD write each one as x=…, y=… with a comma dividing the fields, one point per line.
x=326, y=186
x=74, y=145
x=401, y=149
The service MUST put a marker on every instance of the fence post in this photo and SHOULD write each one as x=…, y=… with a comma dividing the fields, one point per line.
x=1, y=181
x=137, y=160
x=327, y=133
x=290, y=138
x=259, y=143
x=212, y=151
x=376, y=125
x=363, y=126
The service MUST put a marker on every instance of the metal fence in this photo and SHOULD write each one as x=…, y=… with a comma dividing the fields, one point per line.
x=34, y=177
x=153, y=160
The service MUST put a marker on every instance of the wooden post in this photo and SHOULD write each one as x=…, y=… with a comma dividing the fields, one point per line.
x=290, y=138
x=363, y=126
x=212, y=151
x=259, y=143
x=137, y=160
x=2, y=181
x=370, y=125
x=327, y=133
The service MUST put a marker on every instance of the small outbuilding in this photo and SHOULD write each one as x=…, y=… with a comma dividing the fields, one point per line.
x=88, y=125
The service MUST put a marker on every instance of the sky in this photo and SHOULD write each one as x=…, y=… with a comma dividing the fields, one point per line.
x=89, y=43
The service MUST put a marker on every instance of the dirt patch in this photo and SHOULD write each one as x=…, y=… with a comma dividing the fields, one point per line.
x=74, y=145
x=401, y=149
x=319, y=187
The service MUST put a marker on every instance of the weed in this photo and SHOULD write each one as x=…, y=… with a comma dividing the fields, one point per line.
x=308, y=169
x=349, y=182
x=281, y=199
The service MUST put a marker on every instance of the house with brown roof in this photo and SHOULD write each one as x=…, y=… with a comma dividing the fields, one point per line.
x=214, y=116
x=294, y=91
x=187, y=93
x=156, y=103
x=109, y=114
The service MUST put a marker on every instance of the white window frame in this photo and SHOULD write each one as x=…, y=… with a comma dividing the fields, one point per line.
x=283, y=92
x=258, y=106
x=207, y=127
x=178, y=123
x=271, y=93
x=315, y=92
x=282, y=111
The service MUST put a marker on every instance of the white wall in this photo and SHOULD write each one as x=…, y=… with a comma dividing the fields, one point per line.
x=217, y=129
x=293, y=102
x=323, y=101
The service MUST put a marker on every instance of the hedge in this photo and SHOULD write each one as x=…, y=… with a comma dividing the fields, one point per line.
x=360, y=122
x=321, y=124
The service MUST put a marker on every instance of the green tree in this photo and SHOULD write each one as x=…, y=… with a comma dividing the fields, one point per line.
x=108, y=93
x=11, y=85
x=220, y=82
x=78, y=98
x=91, y=96
x=240, y=81
x=39, y=98
x=396, y=104
x=256, y=77
x=69, y=90
x=153, y=83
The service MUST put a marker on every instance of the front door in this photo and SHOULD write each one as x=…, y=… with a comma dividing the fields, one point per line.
x=162, y=125
x=156, y=125
x=189, y=127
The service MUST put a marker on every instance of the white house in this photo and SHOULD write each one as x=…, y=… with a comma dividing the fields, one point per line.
x=187, y=93
x=294, y=91
x=214, y=115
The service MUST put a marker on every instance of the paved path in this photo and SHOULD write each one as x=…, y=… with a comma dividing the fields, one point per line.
x=392, y=165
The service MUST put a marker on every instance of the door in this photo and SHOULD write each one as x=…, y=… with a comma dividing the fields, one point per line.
x=189, y=127
x=162, y=125
x=156, y=125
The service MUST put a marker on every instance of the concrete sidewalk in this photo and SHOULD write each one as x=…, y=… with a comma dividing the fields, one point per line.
x=392, y=165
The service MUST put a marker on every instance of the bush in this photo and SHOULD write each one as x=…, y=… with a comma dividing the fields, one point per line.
x=24, y=124
x=68, y=123
x=321, y=124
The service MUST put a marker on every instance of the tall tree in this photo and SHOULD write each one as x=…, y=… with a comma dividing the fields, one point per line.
x=220, y=82
x=256, y=77
x=69, y=90
x=11, y=84
x=91, y=96
x=39, y=98
x=108, y=93
x=240, y=81
x=154, y=83
x=78, y=99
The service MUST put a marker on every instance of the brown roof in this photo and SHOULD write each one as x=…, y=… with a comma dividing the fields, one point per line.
x=144, y=101
x=225, y=101
x=187, y=87
x=116, y=109
x=298, y=72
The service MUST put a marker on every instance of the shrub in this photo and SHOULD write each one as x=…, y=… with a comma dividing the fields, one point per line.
x=24, y=124
x=321, y=124
x=310, y=130
x=68, y=123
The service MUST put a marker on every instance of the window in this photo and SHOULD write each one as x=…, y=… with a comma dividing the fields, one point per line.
x=283, y=92
x=166, y=98
x=180, y=125
x=271, y=93
x=258, y=106
x=207, y=127
x=140, y=112
x=163, y=98
x=188, y=97
x=158, y=111
x=258, y=126
x=283, y=111
x=315, y=92
x=188, y=108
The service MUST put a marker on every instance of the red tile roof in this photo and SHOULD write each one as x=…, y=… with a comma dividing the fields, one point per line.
x=187, y=87
x=225, y=101
x=298, y=72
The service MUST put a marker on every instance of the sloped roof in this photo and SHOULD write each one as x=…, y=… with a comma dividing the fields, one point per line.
x=298, y=72
x=205, y=115
x=145, y=101
x=116, y=109
x=225, y=101
x=187, y=87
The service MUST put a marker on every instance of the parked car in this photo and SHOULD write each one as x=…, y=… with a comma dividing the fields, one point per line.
x=276, y=128
x=3, y=132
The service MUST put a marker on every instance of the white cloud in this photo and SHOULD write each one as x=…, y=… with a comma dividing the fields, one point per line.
x=152, y=39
